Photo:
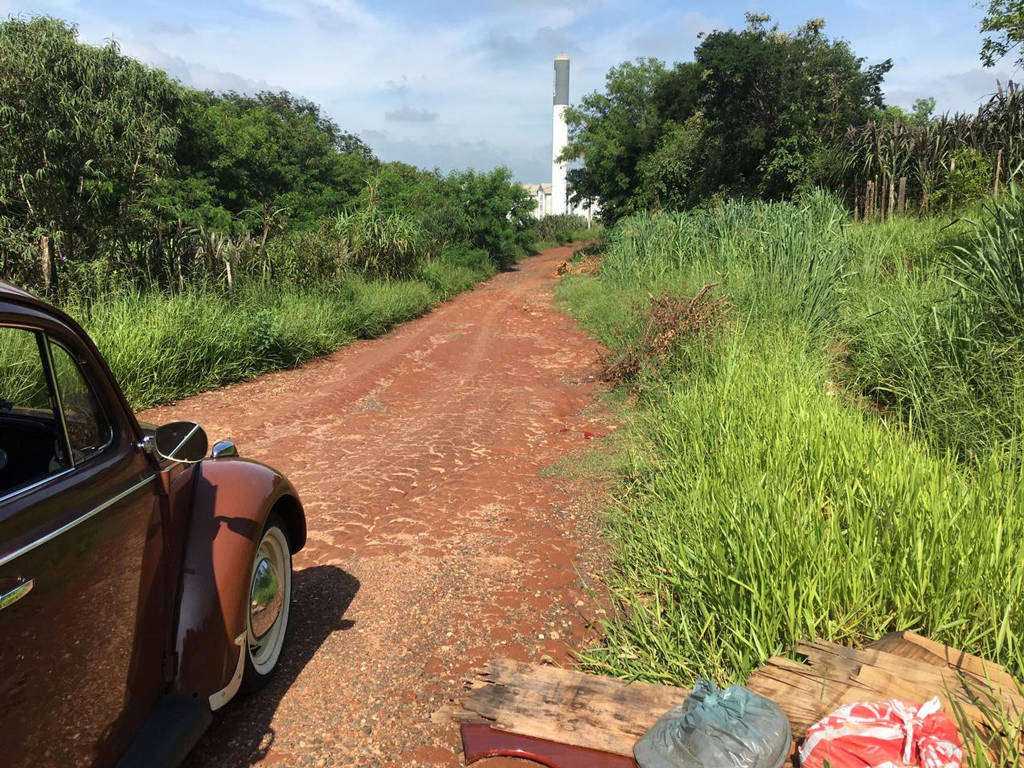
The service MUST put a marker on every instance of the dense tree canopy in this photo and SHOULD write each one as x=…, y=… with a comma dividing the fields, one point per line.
x=84, y=134
x=612, y=131
x=96, y=148
x=752, y=115
x=267, y=152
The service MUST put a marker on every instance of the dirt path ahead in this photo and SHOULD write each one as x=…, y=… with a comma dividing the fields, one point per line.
x=435, y=541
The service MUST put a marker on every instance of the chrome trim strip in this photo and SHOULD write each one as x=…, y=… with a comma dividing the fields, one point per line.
x=225, y=694
x=76, y=522
x=10, y=598
x=32, y=486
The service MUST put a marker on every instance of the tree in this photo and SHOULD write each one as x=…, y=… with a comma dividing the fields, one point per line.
x=667, y=175
x=84, y=135
x=919, y=114
x=755, y=114
x=610, y=132
x=1004, y=23
x=269, y=152
x=498, y=212
x=773, y=99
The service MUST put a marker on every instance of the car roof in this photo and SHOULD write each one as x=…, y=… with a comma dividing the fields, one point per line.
x=10, y=291
x=18, y=297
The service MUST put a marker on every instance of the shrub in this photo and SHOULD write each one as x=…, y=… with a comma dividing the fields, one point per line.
x=968, y=177
x=457, y=270
x=560, y=228
x=989, y=266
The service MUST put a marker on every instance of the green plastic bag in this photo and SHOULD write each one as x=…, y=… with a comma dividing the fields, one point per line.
x=734, y=728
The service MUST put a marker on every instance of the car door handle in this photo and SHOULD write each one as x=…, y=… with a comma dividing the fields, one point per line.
x=11, y=596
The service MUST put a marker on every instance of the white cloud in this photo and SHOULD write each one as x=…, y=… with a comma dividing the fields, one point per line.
x=173, y=30
x=411, y=115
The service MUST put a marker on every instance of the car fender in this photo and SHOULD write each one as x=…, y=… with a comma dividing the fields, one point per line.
x=231, y=499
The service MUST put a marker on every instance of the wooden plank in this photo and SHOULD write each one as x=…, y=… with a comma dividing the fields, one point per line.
x=792, y=692
x=610, y=715
x=569, y=707
x=897, y=644
x=907, y=690
x=914, y=646
x=954, y=657
x=929, y=680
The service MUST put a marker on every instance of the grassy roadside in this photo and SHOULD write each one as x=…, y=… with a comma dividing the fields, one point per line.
x=571, y=238
x=165, y=347
x=557, y=231
x=835, y=456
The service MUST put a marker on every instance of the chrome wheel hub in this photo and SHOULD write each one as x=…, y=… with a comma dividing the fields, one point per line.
x=269, y=594
x=267, y=598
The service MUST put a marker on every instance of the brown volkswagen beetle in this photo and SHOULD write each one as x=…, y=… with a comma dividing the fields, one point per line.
x=143, y=582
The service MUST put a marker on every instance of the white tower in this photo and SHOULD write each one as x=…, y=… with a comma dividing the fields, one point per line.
x=560, y=137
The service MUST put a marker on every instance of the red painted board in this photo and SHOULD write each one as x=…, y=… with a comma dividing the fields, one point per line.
x=480, y=741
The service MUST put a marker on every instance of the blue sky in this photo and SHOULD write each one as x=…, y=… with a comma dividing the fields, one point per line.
x=460, y=84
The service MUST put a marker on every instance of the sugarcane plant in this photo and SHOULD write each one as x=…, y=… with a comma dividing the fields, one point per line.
x=890, y=166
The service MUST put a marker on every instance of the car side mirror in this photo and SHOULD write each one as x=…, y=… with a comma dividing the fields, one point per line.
x=183, y=441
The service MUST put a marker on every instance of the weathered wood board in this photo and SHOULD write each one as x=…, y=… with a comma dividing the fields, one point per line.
x=911, y=668
x=913, y=646
x=569, y=707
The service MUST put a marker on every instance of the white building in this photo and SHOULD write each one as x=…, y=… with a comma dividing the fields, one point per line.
x=553, y=199
x=541, y=193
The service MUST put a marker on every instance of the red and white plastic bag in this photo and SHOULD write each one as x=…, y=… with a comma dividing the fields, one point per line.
x=888, y=734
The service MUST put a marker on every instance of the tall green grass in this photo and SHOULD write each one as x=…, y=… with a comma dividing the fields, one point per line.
x=932, y=325
x=772, y=492
x=164, y=347
x=558, y=230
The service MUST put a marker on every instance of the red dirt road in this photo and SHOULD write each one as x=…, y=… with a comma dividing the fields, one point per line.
x=435, y=541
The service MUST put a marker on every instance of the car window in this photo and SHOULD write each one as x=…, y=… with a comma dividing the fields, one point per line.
x=89, y=430
x=31, y=440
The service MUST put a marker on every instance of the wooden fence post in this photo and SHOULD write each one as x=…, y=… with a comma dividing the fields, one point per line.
x=999, y=171
x=46, y=263
x=903, y=196
x=892, y=199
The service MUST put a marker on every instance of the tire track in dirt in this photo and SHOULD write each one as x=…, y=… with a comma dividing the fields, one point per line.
x=434, y=540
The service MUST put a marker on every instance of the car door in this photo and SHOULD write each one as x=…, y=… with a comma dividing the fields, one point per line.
x=81, y=614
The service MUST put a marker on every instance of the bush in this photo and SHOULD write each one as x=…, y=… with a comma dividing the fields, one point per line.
x=458, y=269
x=384, y=244
x=968, y=177
x=560, y=228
